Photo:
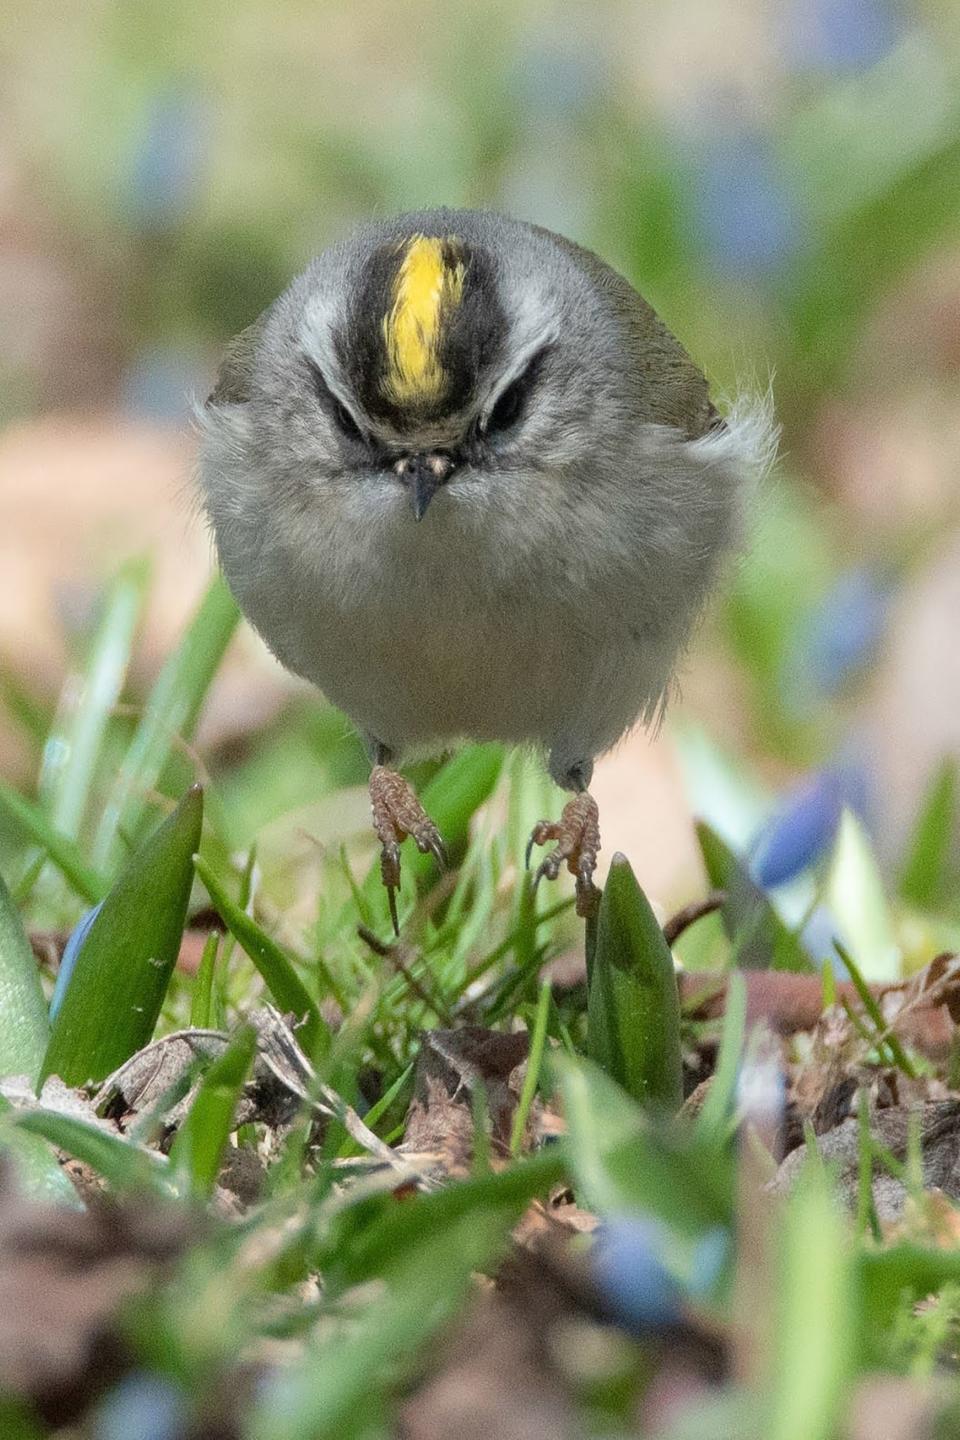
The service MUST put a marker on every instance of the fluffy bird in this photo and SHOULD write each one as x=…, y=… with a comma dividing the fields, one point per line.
x=463, y=479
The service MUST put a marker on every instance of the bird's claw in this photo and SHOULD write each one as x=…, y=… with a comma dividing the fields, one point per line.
x=398, y=813
x=577, y=836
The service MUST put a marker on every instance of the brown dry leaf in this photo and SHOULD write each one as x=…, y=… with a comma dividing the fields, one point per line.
x=157, y=1070
x=452, y=1064
x=64, y=1276
x=791, y=1003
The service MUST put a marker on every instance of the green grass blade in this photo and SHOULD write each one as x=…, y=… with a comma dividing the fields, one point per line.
x=24, y=1027
x=815, y=1329
x=538, y=1040
x=114, y=996
x=201, y=1001
x=202, y=1138
x=64, y=852
x=338, y=1388
x=23, y=707
x=622, y=1162
x=886, y=1039
x=359, y=1251
x=74, y=744
x=717, y=1109
x=37, y=1169
x=170, y=715
x=633, y=1006
x=855, y=897
x=924, y=875
x=274, y=964
x=125, y=1165
x=761, y=938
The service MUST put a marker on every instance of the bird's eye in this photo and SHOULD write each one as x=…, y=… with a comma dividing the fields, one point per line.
x=342, y=418
x=506, y=411
x=512, y=402
x=345, y=422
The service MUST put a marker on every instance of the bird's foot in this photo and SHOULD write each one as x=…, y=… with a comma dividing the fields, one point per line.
x=398, y=813
x=577, y=834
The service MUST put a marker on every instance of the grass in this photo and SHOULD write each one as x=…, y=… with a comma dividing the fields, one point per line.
x=322, y=1253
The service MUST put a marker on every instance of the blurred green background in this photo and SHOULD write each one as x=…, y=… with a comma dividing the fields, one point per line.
x=781, y=180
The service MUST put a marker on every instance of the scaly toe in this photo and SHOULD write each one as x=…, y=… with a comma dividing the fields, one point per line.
x=429, y=842
x=398, y=813
x=577, y=834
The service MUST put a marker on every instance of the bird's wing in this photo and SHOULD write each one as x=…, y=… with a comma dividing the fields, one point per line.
x=673, y=390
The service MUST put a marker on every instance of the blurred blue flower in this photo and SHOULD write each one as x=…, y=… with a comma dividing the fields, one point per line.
x=804, y=825
x=167, y=159
x=554, y=79
x=71, y=952
x=844, y=631
x=817, y=937
x=641, y=1290
x=839, y=34
x=745, y=211
x=141, y=1407
x=159, y=383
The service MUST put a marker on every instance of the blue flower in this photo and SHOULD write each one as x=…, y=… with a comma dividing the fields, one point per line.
x=166, y=160
x=71, y=952
x=840, y=34
x=745, y=210
x=803, y=827
x=141, y=1407
x=639, y=1279
x=844, y=631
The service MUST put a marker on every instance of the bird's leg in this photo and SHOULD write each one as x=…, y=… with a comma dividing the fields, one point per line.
x=398, y=813
x=577, y=834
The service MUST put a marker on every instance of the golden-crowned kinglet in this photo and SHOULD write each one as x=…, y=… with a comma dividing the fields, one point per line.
x=463, y=479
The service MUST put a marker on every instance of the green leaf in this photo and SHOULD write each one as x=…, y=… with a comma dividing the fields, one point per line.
x=24, y=1028
x=855, y=896
x=64, y=852
x=887, y=1279
x=814, y=1334
x=358, y=1250
x=125, y=1165
x=623, y=1161
x=75, y=740
x=538, y=1040
x=169, y=717
x=201, y=1001
x=122, y=971
x=633, y=1005
x=197, y=1151
x=718, y=1107
x=273, y=963
x=37, y=1169
x=923, y=880
x=760, y=938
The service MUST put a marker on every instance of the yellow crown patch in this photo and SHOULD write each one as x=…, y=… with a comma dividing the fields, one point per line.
x=428, y=285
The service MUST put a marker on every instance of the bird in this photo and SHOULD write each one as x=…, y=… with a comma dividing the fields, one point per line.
x=462, y=478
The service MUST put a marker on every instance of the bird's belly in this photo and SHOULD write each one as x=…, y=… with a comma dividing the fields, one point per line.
x=418, y=646
x=414, y=678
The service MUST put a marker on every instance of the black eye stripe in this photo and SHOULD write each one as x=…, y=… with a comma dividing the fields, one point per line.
x=342, y=418
x=511, y=403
